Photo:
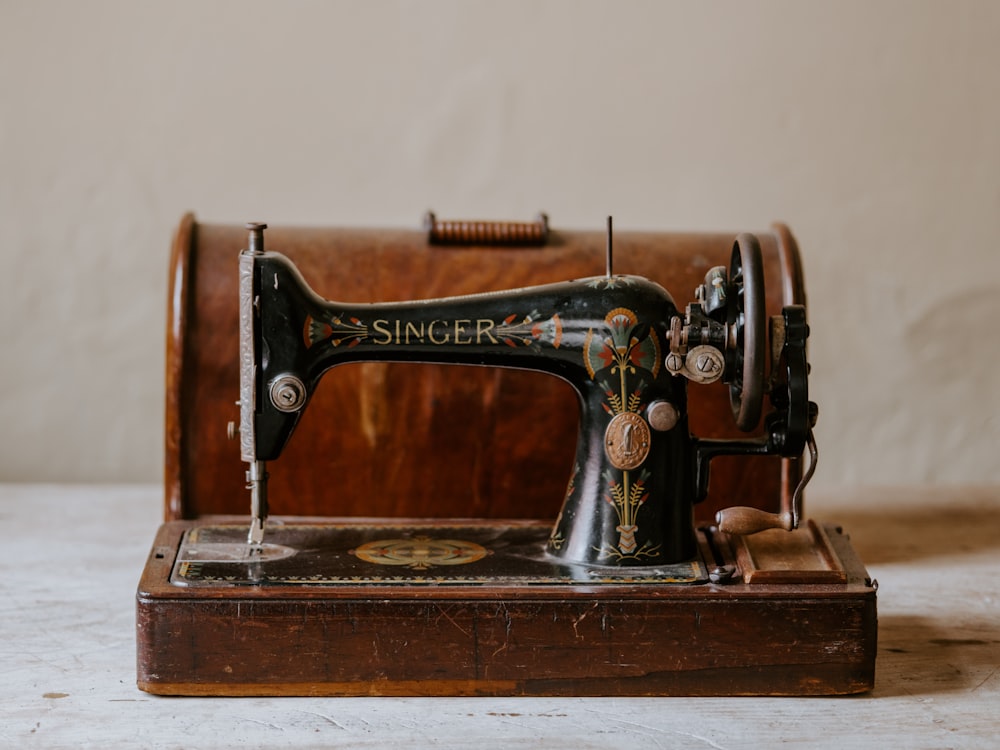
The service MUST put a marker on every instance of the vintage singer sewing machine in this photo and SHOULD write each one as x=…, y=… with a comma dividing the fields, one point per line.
x=626, y=591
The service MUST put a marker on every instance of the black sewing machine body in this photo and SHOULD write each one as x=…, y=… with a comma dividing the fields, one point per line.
x=633, y=486
x=624, y=543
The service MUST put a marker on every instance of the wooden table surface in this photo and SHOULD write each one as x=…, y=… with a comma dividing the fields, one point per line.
x=70, y=558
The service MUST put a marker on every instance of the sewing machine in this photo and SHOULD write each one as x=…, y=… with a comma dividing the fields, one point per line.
x=623, y=592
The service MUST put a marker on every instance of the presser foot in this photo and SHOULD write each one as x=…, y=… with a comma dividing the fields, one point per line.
x=255, y=536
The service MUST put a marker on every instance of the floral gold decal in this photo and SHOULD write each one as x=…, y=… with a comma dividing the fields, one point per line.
x=420, y=552
x=626, y=350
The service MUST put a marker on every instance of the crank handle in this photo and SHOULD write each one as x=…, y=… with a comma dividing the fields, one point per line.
x=743, y=520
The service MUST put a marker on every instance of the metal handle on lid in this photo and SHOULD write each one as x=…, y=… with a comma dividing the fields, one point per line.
x=499, y=233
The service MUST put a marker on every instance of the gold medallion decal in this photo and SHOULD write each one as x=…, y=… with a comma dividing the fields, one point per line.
x=626, y=441
x=420, y=552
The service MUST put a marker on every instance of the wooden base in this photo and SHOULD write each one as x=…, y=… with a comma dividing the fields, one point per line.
x=796, y=617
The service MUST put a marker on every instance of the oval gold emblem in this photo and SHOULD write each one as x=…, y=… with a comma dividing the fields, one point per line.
x=626, y=441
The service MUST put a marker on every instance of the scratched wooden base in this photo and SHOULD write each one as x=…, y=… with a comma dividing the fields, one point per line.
x=797, y=618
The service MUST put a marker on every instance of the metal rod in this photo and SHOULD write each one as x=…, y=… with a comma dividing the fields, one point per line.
x=256, y=239
x=608, y=253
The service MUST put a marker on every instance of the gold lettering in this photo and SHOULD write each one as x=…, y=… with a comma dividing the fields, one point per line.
x=382, y=326
x=430, y=332
x=418, y=333
x=483, y=328
x=459, y=330
x=437, y=332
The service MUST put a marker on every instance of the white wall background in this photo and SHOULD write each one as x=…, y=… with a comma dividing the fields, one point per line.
x=872, y=128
